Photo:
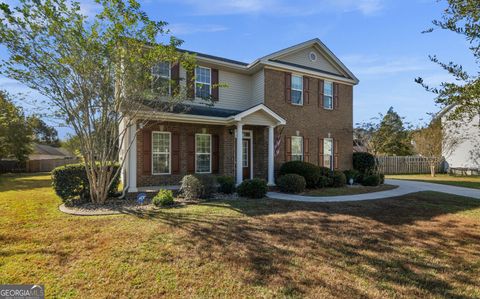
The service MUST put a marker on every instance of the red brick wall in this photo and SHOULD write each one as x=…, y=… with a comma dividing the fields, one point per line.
x=312, y=120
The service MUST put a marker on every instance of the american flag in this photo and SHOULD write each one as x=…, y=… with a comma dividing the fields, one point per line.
x=278, y=141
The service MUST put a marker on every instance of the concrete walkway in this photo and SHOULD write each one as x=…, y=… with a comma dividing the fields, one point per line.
x=404, y=187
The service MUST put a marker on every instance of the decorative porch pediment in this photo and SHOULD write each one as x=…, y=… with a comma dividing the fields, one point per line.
x=260, y=115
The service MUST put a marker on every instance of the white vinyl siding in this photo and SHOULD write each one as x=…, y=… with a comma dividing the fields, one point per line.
x=203, y=153
x=297, y=148
x=161, y=149
x=258, y=87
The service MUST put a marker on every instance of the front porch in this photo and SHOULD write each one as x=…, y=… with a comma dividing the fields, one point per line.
x=200, y=145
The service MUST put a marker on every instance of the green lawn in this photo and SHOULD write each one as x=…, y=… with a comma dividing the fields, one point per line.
x=348, y=190
x=461, y=181
x=425, y=245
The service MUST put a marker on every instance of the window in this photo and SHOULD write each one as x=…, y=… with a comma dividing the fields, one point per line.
x=245, y=153
x=160, y=152
x=297, y=148
x=328, y=153
x=161, y=78
x=297, y=90
x=203, y=83
x=328, y=95
x=312, y=56
x=203, y=153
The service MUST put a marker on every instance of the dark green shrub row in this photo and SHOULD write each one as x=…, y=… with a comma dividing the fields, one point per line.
x=291, y=183
x=315, y=176
x=371, y=180
x=198, y=186
x=256, y=188
x=364, y=163
x=226, y=184
x=70, y=182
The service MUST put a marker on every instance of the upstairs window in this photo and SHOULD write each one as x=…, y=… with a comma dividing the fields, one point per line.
x=297, y=148
x=328, y=153
x=297, y=90
x=328, y=95
x=203, y=82
x=161, y=78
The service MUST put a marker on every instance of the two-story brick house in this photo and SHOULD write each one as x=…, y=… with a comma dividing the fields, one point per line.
x=294, y=104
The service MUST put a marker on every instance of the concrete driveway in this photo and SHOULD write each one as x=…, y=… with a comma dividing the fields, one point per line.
x=404, y=187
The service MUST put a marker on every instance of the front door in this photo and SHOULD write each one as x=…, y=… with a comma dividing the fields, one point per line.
x=247, y=153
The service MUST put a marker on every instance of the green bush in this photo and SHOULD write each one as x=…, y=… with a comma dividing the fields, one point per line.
x=71, y=184
x=163, y=198
x=309, y=171
x=364, y=163
x=382, y=178
x=351, y=174
x=291, y=183
x=323, y=182
x=191, y=187
x=255, y=188
x=226, y=184
x=371, y=180
x=208, y=185
x=338, y=179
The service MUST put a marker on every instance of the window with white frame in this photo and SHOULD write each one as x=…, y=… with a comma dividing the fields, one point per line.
x=203, y=82
x=161, y=78
x=161, y=142
x=203, y=153
x=328, y=153
x=297, y=148
x=328, y=95
x=297, y=90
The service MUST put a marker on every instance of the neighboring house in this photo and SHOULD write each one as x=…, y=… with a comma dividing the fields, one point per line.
x=45, y=158
x=461, y=144
x=294, y=104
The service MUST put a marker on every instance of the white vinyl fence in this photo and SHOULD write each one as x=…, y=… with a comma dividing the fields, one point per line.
x=406, y=165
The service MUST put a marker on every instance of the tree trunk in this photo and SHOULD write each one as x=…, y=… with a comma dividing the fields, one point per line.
x=432, y=170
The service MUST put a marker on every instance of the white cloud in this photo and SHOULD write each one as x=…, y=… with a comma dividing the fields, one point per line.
x=375, y=65
x=281, y=7
x=184, y=28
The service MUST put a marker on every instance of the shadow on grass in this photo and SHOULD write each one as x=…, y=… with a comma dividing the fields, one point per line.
x=396, y=245
x=24, y=181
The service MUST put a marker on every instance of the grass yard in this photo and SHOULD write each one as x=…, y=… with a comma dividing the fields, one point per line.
x=445, y=179
x=426, y=245
x=348, y=190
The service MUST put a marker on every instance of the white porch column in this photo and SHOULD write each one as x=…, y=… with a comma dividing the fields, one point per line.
x=132, y=159
x=239, y=156
x=271, y=160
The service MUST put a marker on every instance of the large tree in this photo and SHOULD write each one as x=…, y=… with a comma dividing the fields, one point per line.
x=95, y=72
x=42, y=132
x=15, y=132
x=463, y=95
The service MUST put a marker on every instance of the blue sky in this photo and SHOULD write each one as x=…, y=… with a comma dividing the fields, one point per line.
x=379, y=40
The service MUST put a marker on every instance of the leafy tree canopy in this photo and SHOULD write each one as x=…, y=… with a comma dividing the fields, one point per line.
x=43, y=133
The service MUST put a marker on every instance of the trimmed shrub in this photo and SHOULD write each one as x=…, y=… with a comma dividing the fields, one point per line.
x=163, y=198
x=71, y=184
x=323, y=182
x=208, y=185
x=351, y=174
x=371, y=180
x=325, y=171
x=338, y=179
x=191, y=187
x=291, y=183
x=309, y=171
x=382, y=178
x=226, y=184
x=364, y=163
x=255, y=188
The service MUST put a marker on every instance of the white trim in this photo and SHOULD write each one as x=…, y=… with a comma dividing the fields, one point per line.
x=262, y=107
x=209, y=85
x=271, y=156
x=210, y=153
x=132, y=158
x=251, y=150
x=238, y=148
x=301, y=90
x=301, y=144
x=169, y=153
x=331, y=167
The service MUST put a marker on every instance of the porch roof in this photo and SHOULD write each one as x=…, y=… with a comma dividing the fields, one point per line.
x=256, y=115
